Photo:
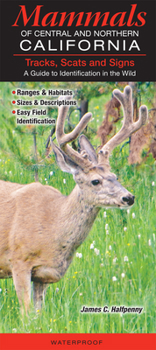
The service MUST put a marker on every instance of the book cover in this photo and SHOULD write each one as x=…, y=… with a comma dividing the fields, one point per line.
x=77, y=174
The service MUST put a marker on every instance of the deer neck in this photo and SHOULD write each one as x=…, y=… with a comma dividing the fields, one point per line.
x=80, y=215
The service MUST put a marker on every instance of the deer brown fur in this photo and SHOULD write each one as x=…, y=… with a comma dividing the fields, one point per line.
x=38, y=241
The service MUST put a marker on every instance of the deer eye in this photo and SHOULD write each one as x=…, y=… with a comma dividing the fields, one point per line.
x=95, y=182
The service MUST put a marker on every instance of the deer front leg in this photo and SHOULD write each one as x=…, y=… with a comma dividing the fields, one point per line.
x=22, y=281
x=39, y=291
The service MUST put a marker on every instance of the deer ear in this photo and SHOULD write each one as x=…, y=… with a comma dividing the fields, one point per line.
x=85, y=145
x=64, y=162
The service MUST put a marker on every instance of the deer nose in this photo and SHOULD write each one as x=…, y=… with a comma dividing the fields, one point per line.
x=129, y=199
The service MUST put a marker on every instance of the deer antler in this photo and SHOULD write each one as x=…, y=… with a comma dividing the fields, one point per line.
x=63, y=139
x=128, y=125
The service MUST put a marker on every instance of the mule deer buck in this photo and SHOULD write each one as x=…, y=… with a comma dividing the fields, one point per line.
x=37, y=240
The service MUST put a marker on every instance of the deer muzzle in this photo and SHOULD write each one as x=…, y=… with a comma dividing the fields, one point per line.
x=129, y=199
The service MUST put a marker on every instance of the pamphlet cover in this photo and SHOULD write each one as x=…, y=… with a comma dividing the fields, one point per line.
x=77, y=174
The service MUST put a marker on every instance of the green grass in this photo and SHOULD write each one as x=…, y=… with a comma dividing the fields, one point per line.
x=89, y=280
